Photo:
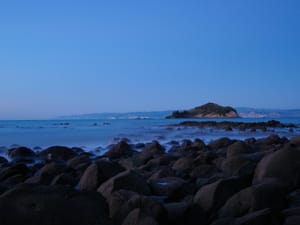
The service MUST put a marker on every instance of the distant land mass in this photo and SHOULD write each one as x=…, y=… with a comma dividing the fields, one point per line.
x=208, y=110
x=243, y=112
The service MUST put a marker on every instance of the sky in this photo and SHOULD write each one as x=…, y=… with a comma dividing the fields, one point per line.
x=66, y=57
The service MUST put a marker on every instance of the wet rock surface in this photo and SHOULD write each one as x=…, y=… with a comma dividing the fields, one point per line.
x=226, y=181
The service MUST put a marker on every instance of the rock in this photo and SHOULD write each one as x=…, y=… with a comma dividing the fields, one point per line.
x=295, y=140
x=149, y=152
x=167, y=185
x=234, y=164
x=238, y=148
x=185, y=213
x=97, y=173
x=122, y=149
x=3, y=160
x=64, y=179
x=21, y=154
x=212, y=196
x=78, y=160
x=128, y=180
x=267, y=195
x=57, y=153
x=184, y=164
x=220, y=143
x=13, y=170
x=138, y=217
x=282, y=165
x=262, y=217
x=36, y=205
x=208, y=110
x=204, y=171
x=292, y=220
x=148, y=206
x=47, y=173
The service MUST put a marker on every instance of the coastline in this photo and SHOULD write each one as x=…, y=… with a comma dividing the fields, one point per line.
x=191, y=180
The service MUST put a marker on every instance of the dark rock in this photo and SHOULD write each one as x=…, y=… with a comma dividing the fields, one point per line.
x=220, y=143
x=149, y=152
x=128, y=180
x=97, y=173
x=185, y=213
x=238, y=148
x=212, y=196
x=204, y=171
x=3, y=160
x=282, y=165
x=65, y=179
x=138, y=217
x=47, y=173
x=262, y=217
x=167, y=185
x=21, y=154
x=148, y=206
x=268, y=195
x=292, y=220
x=13, y=170
x=36, y=205
x=57, y=153
x=122, y=149
x=184, y=164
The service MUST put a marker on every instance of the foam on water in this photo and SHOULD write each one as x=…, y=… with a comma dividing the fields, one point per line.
x=96, y=135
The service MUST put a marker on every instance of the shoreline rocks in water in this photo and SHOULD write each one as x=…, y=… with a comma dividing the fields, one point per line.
x=224, y=182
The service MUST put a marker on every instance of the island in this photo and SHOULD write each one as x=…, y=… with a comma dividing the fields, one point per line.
x=208, y=110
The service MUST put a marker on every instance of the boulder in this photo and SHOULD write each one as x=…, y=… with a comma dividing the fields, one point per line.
x=185, y=164
x=150, y=151
x=138, y=217
x=212, y=196
x=97, y=173
x=148, y=206
x=128, y=180
x=21, y=154
x=120, y=150
x=13, y=170
x=237, y=148
x=167, y=185
x=36, y=205
x=261, y=217
x=57, y=153
x=254, y=198
x=220, y=143
x=282, y=165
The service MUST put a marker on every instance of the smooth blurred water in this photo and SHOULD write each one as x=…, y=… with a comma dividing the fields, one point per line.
x=91, y=134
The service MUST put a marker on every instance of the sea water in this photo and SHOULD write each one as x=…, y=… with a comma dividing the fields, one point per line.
x=100, y=133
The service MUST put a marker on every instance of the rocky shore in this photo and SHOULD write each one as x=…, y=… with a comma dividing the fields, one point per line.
x=224, y=182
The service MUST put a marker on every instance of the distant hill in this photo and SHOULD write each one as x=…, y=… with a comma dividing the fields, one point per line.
x=208, y=110
x=246, y=112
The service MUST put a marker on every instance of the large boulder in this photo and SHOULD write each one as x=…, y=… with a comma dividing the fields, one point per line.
x=149, y=152
x=21, y=154
x=122, y=149
x=97, y=173
x=128, y=180
x=9, y=173
x=212, y=196
x=282, y=165
x=36, y=205
x=139, y=217
x=237, y=148
x=254, y=198
x=57, y=153
x=167, y=186
x=220, y=143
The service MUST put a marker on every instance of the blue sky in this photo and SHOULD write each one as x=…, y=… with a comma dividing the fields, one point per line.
x=72, y=57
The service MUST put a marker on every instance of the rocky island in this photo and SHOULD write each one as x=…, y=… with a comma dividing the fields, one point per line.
x=208, y=110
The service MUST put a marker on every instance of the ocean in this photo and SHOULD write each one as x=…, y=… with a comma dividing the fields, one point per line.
x=98, y=134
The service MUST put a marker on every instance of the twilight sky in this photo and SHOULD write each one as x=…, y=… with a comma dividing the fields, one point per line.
x=63, y=57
